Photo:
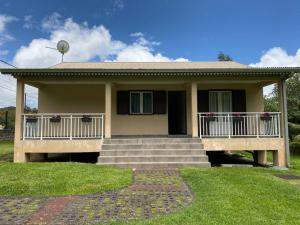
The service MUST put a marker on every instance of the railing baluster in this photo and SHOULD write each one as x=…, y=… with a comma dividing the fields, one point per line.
x=257, y=128
x=42, y=127
x=200, y=125
x=228, y=126
x=71, y=127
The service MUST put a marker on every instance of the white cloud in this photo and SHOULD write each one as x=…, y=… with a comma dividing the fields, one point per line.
x=4, y=35
x=86, y=44
x=4, y=20
x=278, y=57
x=52, y=21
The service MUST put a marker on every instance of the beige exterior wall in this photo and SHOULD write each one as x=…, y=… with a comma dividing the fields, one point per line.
x=60, y=146
x=72, y=98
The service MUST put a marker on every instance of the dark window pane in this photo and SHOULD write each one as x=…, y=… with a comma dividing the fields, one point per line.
x=147, y=102
x=135, y=102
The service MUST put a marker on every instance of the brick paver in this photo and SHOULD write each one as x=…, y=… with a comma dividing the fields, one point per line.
x=153, y=193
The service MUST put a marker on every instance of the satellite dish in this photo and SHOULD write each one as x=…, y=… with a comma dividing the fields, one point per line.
x=63, y=47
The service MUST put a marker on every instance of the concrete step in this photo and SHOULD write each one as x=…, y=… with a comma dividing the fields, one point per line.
x=139, y=152
x=153, y=159
x=156, y=165
x=151, y=140
x=152, y=146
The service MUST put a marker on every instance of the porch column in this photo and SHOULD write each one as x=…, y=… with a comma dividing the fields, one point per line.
x=19, y=155
x=107, y=110
x=282, y=156
x=194, y=109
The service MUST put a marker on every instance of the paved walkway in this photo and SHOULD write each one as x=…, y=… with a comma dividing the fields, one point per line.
x=153, y=192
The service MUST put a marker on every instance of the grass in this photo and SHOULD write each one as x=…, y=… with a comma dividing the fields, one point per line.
x=6, y=151
x=236, y=196
x=53, y=179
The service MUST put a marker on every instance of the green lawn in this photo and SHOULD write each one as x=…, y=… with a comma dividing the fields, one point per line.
x=6, y=151
x=236, y=196
x=50, y=179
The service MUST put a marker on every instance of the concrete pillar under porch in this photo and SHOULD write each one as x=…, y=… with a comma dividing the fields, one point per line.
x=261, y=157
x=278, y=157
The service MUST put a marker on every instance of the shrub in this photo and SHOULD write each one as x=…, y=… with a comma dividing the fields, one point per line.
x=297, y=138
x=295, y=147
x=294, y=130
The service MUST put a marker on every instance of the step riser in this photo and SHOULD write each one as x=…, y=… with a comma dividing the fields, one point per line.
x=158, y=166
x=151, y=152
x=153, y=141
x=151, y=159
x=152, y=146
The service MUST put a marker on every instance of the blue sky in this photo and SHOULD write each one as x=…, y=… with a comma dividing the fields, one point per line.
x=256, y=32
x=195, y=30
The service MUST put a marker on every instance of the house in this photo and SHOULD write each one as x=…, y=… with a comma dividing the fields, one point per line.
x=151, y=113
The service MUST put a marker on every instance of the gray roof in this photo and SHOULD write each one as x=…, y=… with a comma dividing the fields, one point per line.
x=229, y=68
x=148, y=65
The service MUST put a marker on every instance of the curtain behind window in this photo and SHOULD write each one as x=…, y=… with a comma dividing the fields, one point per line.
x=135, y=102
x=213, y=101
x=147, y=102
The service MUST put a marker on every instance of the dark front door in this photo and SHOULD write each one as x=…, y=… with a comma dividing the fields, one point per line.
x=177, y=112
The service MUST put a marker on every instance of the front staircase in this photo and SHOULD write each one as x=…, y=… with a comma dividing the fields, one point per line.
x=153, y=153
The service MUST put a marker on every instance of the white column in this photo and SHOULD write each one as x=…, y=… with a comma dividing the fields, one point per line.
x=108, y=110
x=194, y=109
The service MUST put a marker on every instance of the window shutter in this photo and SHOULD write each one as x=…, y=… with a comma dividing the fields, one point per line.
x=203, y=101
x=238, y=101
x=122, y=102
x=159, y=102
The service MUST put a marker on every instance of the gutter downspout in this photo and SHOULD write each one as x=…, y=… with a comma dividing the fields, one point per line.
x=285, y=119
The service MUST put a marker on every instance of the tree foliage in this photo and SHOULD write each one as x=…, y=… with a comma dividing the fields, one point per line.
x=293, y=99
x=223, y=57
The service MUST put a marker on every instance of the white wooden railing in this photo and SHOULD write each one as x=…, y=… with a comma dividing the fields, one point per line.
x=239, y=124
x=63, y=126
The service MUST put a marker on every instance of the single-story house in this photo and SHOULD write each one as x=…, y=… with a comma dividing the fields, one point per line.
x=151, y=113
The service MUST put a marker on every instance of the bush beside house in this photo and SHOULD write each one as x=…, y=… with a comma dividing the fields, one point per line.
x=294, y=133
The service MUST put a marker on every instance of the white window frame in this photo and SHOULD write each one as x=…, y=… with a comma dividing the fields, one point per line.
x=141, y=94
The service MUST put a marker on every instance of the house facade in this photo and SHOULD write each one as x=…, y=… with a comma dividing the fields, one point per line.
x=80, y=105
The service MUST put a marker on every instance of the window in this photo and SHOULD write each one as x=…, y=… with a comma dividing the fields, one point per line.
x=141, y=102
x=220, y=101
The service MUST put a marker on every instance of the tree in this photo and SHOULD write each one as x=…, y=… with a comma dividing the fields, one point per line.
x=223, y=57
x=293, y=100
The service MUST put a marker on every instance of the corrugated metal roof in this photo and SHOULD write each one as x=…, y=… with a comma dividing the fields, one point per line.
x=149, y=65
